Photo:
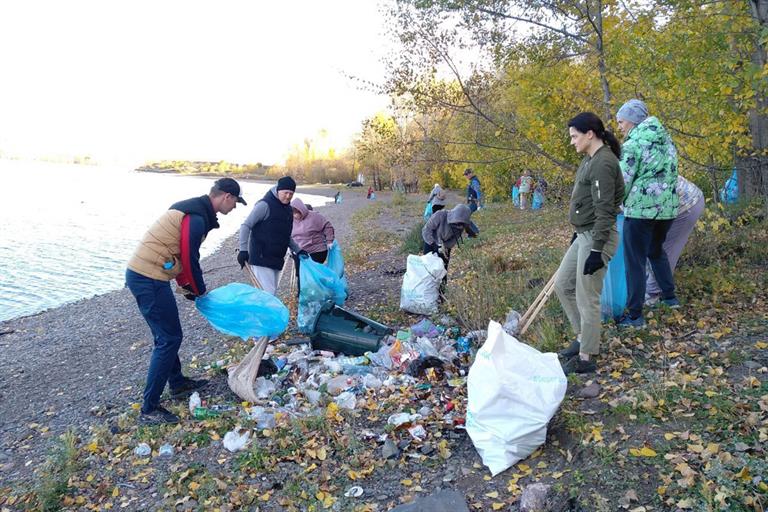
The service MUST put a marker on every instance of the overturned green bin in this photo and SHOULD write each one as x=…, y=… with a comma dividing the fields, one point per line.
x=341, y=330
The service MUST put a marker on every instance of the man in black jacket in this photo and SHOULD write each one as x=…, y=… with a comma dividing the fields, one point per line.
x=266, y=234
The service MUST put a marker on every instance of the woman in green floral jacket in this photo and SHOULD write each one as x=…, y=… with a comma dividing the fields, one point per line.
x=649, y=166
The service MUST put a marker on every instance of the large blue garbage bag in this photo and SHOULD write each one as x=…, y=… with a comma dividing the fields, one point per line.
x=730, y=191
x=241, y=310
x=613, y=300
x=320, y=288
x=538, y=199
x=428, y=210
x=335, y=262
x=516, y=195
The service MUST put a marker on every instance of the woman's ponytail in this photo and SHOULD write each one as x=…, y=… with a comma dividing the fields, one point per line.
x=610, y=139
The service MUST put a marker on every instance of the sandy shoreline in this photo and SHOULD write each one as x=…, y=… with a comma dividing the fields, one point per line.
x=67, y=366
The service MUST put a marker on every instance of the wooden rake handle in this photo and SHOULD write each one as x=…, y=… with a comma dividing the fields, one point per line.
x=527, y=319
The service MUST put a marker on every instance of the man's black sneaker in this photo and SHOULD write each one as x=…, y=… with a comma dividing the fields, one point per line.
x=158, y=416
x=578, y=365
x=572, y=350
x=187, y=388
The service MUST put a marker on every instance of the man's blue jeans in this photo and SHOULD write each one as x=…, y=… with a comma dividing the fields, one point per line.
x=158, y=306
x=644, y=238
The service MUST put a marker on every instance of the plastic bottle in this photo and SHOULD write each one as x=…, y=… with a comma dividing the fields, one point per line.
x=194, y=402
x=203, y=413
x=142, y=450
x=355, y=369
x=165, y=450
x=353, y=361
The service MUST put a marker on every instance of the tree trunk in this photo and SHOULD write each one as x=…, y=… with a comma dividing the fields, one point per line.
x=753, y=169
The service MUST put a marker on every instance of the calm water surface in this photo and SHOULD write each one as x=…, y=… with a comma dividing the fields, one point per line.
x=66, y=231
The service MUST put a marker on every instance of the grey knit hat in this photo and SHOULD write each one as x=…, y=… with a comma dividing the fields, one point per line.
x=634, y=111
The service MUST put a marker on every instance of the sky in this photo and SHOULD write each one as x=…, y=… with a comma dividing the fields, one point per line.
x=234, y=80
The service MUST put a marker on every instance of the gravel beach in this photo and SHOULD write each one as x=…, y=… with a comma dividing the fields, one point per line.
x=67, y=367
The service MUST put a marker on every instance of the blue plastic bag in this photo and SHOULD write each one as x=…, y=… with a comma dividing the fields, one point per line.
x=320, y=288
x=730, y=191
x=241, y=310
x=613, y=299
x=538, y=200
x=428, y=210
x=516, y=195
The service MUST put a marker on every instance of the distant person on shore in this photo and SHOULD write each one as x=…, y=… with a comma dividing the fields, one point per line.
x=526, y=187
x=311, y=231
x=597, y=195
x=369, y=195
x=437, y=197
x=266, y=234
x=475, y=198
x=444, y=230
x=337, y=197
x=171, y=249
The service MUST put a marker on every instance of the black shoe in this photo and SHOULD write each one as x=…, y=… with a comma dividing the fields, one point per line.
x=158, y=416
x=578, y=365
x=572, y=350
x=187, y=388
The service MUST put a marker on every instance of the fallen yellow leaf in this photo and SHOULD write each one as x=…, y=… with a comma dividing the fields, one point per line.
x=642, y=452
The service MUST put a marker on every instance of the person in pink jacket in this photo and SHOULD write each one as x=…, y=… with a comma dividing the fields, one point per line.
x=311, y=231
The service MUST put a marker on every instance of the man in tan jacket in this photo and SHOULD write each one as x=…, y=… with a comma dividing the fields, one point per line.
x=171, y=250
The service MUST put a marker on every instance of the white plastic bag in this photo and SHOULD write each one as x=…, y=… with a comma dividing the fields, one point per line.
x=236, y=440
x=421, y=284
x=513, y=390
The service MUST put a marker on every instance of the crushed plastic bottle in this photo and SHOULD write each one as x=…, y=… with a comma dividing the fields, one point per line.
x=346, y=400
x=142, y=450
x=313, y=396
x=194, y=402
x=166, y=450
x=370, y=381
x=355, y=369
x=353, y=361
x=402, y=418
x=418, y=432
x=264, y=387
x=222, y=408
x=264, y=418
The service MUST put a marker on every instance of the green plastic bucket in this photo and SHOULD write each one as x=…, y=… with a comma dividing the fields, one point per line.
x=340, y=330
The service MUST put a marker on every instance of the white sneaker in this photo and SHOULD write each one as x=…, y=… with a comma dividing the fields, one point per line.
x=651, y=300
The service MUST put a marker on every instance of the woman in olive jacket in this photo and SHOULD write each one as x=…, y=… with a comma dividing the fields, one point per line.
x=595, y=201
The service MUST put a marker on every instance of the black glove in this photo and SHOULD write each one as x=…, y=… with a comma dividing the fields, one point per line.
x=242, y=258
x=573, y=238
x=302, y=253
x=594, y=262
x=190, y=295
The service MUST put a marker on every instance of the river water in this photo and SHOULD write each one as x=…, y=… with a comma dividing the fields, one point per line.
x=66, y=231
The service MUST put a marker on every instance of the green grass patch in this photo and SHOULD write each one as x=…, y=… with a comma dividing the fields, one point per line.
x=61, y=465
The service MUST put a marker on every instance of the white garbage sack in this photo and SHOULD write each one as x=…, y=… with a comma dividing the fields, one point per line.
x=513, y=391
x=421, y=284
